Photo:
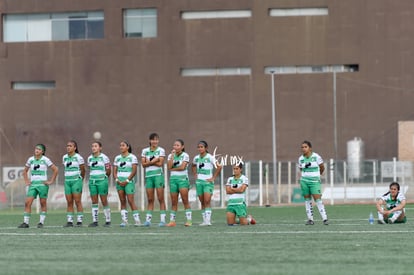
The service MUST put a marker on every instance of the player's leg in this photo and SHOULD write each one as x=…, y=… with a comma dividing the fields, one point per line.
x=150, y=191
x=93, y=191
x=184, y=197
x=69, y=204
x=123, y=203
x=31, y=194
x=396, y=217
x=241, y=212
x=77, y=198
x=159, y=187
x=43, y=192
x=231, y=216
x=103, y=194
x=317, y=196
x=308, y=202
x=130, y=193
x=200, y=195
x=207, y=203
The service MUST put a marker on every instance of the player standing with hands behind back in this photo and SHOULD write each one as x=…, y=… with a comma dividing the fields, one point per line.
x=152, y=159
x=37, y=184
x=311, y=167
x=203, y=168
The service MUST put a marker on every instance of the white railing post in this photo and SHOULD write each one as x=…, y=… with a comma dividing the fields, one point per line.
x=222, y=189
x=394, y=169
x=143, y=190
x=374, y=178
x=166, y=187
x=289, y=182
x=345, y=183
x=279, y=182
x=260, y=183
x=267, y=185
x=332, y=179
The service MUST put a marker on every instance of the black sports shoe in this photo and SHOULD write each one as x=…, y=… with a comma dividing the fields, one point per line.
x=68, y=224
x=79, y=224
x=309, y=222
x=23, y=225
x=107, y=224
x=94, y=224
x=40, y=225
x=326, y=222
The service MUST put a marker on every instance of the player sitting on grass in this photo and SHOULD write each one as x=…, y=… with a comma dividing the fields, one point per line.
x=394, y=202
x=236, y=189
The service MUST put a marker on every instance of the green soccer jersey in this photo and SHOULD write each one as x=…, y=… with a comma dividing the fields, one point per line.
x=205, y=166
x=149, y=154
x=124, y=165
x=97, y=166
x=239, y=198
x=72, y=166
x=38, y=169
x=309, y=166
x=177, y=162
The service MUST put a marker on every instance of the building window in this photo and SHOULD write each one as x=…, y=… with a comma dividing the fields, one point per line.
x=298, y=12
x=188, y=15
x=312, y=69
x=140, y=23
x=34, y=85
x=216, y=71
x=53, y=26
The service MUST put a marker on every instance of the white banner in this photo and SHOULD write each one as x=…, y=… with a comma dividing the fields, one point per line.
x=11, y=174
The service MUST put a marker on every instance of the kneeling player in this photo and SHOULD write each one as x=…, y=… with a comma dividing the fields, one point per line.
x=236, y=189
x=394, y=202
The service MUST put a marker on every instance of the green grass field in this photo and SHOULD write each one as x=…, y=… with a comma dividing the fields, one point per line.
x=279, y=243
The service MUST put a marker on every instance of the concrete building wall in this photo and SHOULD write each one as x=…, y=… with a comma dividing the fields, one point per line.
x=128, y=88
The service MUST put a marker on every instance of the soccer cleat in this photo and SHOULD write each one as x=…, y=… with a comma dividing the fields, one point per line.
x=250, y=219
x=107, y=224
x=161, y=224
x=381, y=222
x=79, y=224
x=391, y=221
x=147, y=224
x=188, y=223
x=40, y=225
x=326, y=222
x=171, y=224
x=137, y=223
x=123, y=224
x=23, y=225
x=68, y=224
x=94, y=224
x=309, y=222
x=205, y=224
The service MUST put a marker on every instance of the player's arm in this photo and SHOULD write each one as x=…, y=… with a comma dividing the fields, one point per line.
x=321, y=168
x=399, y=207
x=26, y=176
x=82, y=170
x=115, y=173
x=380, y=202
x=182, y=167
x=170, y=160
x=54, y=175
x=145, y=162
x=158, y=161
x=231, y=190
x=216, y=173
x=194, y=170
x=108, y=169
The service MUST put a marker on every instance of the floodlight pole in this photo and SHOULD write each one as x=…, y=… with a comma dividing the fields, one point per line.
x=274, y=130
x=335, y=126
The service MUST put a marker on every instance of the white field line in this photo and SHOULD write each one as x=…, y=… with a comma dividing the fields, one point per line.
x=215, y=232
